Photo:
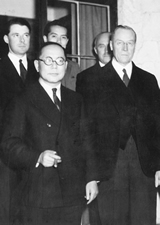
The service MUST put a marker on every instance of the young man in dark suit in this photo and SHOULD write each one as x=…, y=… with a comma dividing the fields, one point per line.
x=16, y=69
x=57, y=31
x=123, y=109
x=17, y=37
x=46, y=137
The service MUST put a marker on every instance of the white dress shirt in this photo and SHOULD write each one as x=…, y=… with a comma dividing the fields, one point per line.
x=48, y=89
x=119, y=68
x=15, y=60
x=101, y=64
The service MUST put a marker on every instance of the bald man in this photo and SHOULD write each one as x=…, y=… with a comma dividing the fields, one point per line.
x=55, y=154
x=101, y=48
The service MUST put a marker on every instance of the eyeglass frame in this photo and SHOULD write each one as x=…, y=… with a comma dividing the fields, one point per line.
x=52, y=61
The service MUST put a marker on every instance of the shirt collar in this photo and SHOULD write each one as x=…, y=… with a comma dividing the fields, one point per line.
x=48, y=89
x=15, y=60
x=101, y=64
x=118, y=67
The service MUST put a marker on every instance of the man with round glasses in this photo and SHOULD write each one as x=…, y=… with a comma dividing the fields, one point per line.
x=49, y=61
x=51, y=146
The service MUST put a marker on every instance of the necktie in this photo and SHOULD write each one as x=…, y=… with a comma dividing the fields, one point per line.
x=23, y=70
x=56, y=99
x=125, y=77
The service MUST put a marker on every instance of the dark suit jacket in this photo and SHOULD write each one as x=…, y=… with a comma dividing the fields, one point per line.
x=11, y=83
x=111, y=106
x=84, y=78
x=33, y=124
x=69, y=79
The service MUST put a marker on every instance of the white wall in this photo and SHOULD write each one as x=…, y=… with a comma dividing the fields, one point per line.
x=56, y=13
x=144, y=17
x=26, y=9
x=19, y=8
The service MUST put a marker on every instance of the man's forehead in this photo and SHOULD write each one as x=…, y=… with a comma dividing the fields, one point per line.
x=124, y=33
x=52, y=50
x=103, y=38
x=58, y=29
x=18, y=27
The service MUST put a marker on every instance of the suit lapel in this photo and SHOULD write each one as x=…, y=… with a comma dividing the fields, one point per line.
x=135, y=82
x=11, y=73
x=64, y=100
x=115, y=89
x=42, y=101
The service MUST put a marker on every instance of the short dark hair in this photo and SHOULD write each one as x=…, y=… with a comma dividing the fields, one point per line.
x=51, y=43
x=59, y=22
x=19, y=21
x=125, y=27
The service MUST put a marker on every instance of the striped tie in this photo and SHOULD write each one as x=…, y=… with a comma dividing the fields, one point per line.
x=56, y=99
x=23, y=70
x=125, y=77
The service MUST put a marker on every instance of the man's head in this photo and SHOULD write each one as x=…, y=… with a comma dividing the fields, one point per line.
x=56, y=31
x=51, y=63
x=101, y=47
x=18, y=36
x=123, y=44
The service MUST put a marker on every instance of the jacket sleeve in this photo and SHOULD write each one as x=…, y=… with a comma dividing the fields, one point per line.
x=16, y=152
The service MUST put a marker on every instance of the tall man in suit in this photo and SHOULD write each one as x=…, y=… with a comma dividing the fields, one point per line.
x=103, y=55
x=57, y=31
x=123, y=109
x=18, y=39
x=47, y=138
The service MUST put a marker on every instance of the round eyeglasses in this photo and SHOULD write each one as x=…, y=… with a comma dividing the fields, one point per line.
x=49, y=61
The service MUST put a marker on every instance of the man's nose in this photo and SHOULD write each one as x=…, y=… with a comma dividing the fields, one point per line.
x=54, y=65
x=59, y=40
x=22, y=39
x=125, y=47
x=106, y=49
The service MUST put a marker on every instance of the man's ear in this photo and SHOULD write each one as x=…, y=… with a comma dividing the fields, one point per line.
x=36, y=64
x=45, y=38
x=111, y=45
x=5, y=38
x=66, y=64
x=95, y=50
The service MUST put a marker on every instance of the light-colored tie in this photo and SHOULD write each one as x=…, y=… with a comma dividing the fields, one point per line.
x=56, y=99
x=23, y=70
x=125, y=77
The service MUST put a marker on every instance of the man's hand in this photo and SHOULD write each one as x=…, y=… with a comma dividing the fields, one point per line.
x=49, y=158
x=91, y=191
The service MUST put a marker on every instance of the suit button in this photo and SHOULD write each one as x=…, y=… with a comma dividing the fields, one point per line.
x=57, y=142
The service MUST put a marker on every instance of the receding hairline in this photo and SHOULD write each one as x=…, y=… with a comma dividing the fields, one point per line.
x=123, y=27
x=51, y=44
x=99, y=35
